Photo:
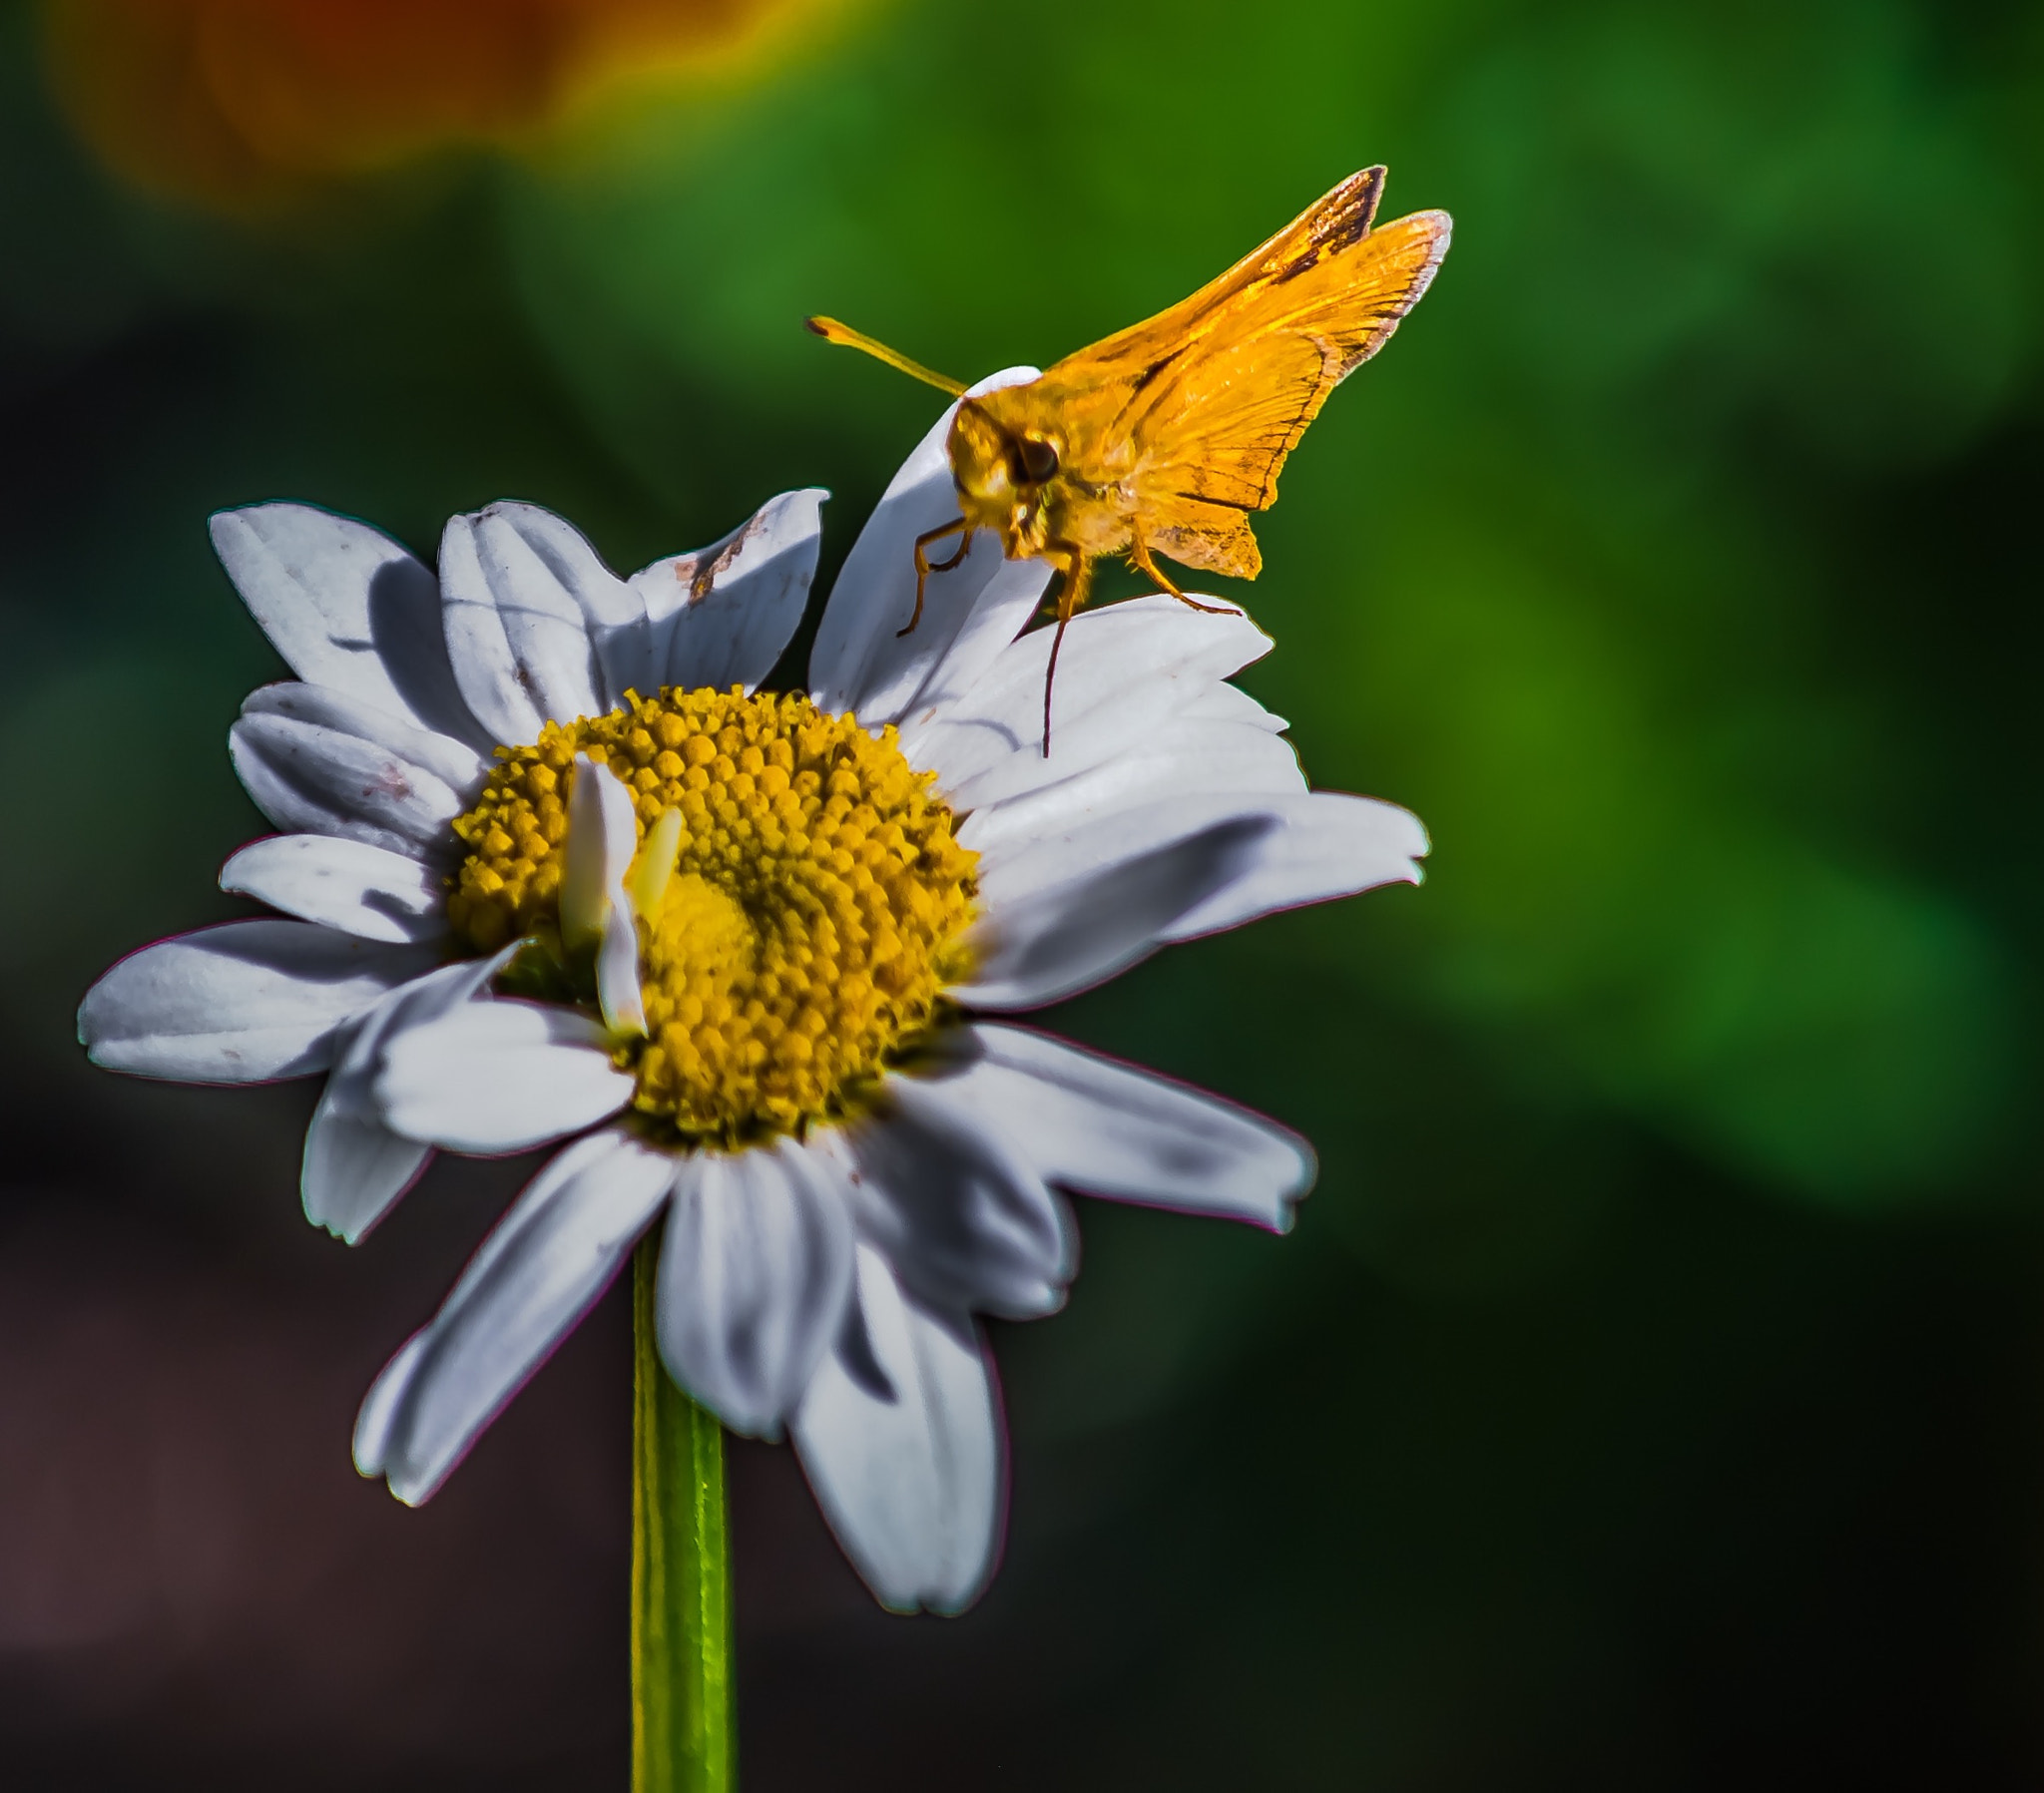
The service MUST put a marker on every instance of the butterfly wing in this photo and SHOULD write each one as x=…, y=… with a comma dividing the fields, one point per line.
x=1337, y=218
x=1212, y=395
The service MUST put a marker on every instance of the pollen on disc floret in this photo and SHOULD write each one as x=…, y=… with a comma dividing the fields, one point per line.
x=814, y=913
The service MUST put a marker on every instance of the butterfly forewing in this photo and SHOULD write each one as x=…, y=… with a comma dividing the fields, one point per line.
x=1193, y=411
x=1138, y=352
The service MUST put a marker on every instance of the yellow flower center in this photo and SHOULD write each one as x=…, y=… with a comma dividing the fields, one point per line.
x=797, y=939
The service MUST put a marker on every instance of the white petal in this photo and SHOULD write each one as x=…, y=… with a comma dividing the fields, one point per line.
x=518, y=595
x=603, y=835
x=1015, y=866
x=1100, y=1128
x=959, y=1210
x=239, y=1003
x=1124, y=670
x=1230, y=703
x=369, y=892
x=420, y=1002
x=1051, y=941
x=1331, y=845
x=900, y=1437
x=861, y=661
x=456, y=765
x=533, y=546
x=542, y=1268
x=311, y=770
x=1181, y=758
x=754, y=1273
x=618, y=991
x=722, y=615
x=354, y=1171
x=383, y=1404
x=349, y=609
x=355, y=1166
x=495, y=1077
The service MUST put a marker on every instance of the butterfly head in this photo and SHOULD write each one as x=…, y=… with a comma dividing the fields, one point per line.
x=1001, y=469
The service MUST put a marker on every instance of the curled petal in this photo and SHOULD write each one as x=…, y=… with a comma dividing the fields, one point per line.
x=596, y=907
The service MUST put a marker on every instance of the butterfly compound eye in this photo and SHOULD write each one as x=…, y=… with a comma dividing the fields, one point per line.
x=1039, y=460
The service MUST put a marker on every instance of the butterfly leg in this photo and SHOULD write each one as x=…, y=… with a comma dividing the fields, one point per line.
x=1144, y=563
x=1078, y=571
x=924, y=565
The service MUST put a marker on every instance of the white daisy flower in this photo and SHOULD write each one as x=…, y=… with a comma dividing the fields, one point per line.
x=556, y=871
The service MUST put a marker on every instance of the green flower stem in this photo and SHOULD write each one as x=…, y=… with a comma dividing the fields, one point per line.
x=682, y=1732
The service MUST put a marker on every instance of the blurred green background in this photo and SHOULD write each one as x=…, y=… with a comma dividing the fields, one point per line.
x=1650, y=1394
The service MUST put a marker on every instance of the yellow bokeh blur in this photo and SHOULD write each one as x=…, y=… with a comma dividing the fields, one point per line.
x=246, y=104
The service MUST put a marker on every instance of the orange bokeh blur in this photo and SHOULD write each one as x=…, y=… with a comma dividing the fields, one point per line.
x=242, y=102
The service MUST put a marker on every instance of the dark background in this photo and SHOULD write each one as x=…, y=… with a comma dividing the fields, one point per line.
x=1649, y=1398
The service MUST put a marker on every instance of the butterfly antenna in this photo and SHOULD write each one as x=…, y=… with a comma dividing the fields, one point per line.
x=843, y=334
